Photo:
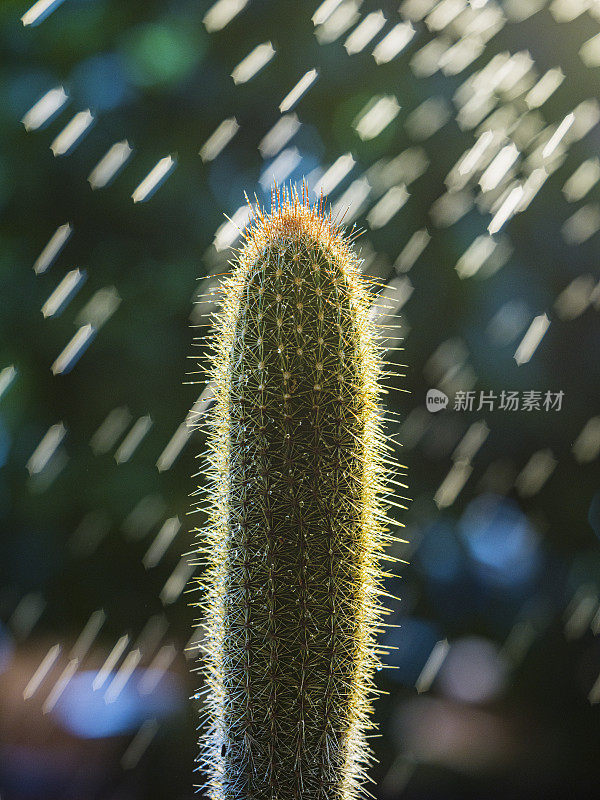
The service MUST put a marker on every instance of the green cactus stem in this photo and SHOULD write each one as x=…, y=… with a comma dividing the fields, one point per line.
x=297, y=520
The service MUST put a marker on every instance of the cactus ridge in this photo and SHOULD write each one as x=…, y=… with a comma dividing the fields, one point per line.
x=297, y=520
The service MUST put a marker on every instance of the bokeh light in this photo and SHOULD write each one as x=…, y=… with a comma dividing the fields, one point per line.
x=501, y=542
x=162, y=53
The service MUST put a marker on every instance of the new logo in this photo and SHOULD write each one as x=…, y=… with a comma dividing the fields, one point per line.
x=435, y=400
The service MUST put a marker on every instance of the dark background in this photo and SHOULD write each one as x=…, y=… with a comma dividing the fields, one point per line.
x=505, y=568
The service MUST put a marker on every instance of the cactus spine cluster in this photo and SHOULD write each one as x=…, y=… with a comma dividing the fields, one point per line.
x=297, y=526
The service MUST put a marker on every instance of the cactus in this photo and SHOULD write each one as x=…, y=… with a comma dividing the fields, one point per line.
x=297, y=525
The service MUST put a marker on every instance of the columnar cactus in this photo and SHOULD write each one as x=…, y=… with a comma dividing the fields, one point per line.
x=297, y=524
